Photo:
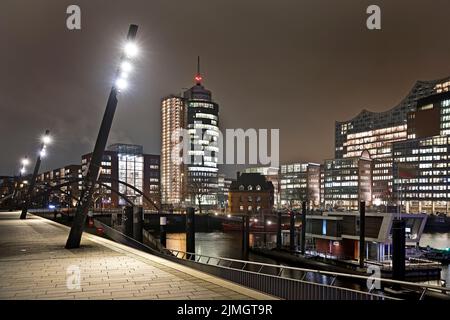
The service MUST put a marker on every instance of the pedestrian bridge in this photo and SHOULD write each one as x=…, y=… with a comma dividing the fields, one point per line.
x=35, y=265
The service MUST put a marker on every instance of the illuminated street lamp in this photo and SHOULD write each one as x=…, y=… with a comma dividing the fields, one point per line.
x=130, y=50
x=45, y=140
x=24, y=163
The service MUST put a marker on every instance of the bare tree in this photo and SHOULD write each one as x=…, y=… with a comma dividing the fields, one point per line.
x=100, y=194
x=196, y=191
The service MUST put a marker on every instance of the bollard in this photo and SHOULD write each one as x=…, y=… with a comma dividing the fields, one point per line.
x=245, y=236
x=303, y=242
x=279, y=231
x=128, y=221
x=398, y=249
x=190, y=232
x=162, y=231
x=138, y=223
x=362, y=232
x=292, y=231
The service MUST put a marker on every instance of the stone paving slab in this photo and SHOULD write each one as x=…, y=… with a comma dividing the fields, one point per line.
x=35, y=265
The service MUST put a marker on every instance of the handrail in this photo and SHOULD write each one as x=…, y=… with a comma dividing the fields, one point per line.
x=330, y=273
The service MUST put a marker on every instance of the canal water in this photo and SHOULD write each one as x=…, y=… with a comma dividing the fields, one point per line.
x=229, y=245
x=438, y=241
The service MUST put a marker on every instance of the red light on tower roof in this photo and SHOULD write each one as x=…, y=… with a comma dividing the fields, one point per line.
x=198, y=79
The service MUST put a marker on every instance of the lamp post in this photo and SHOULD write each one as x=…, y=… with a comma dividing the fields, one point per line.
x=23, y=164
x=93, y=172
x=42, y=152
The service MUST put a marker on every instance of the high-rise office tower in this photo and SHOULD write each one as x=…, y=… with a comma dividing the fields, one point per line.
x=172, y=120
x=194, y=182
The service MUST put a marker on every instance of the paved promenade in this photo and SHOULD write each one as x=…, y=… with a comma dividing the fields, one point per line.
x=35, y=265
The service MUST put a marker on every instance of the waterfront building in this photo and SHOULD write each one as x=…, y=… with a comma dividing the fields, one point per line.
x=421, y=163
x=6, y=186
x=322, y=186
x=172, y=172
x=336, y=234
x=272, y=175
x=348, y=181
x=376, y=132
x=195, y=182
x=127, y=163
x=299, y=182
x=224, y=185
x=66, y=196
x=251, y=194
x=203, y=126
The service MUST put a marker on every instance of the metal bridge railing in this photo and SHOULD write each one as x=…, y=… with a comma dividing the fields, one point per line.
x=309, y=275
x=278, y=280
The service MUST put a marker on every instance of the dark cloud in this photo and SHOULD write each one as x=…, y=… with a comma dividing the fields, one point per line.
x=294, y=65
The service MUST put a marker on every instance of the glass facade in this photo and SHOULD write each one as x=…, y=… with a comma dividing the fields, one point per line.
x=378, y=131
x=202, y=171
x=421, y=166
x=131, y=171
x=299, y=182
x=348, y=181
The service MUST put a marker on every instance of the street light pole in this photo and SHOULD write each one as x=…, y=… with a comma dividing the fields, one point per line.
x=32, y=183
x=93, y=171
x=17, y=179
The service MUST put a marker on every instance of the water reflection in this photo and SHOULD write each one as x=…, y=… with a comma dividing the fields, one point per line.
x=229, y=245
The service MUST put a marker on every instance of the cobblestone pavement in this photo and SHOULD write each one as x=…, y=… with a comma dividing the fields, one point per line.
x=35, y=265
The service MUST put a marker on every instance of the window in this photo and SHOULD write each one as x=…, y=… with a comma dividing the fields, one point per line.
x=249, y=188
x=258, y=187
x=241, y=188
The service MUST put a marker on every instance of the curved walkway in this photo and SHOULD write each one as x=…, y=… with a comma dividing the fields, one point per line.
x=35, y=265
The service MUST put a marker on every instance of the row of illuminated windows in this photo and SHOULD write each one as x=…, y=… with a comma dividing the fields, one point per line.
x=341, y=184
x=294, y=186
x=434, y=173
x=421, y=181
x=250, y=199
x=341, y=196
x=424, y=195
x=340, y=178
x=433, y=141
x=249, y=208
x=435, y=187
x=375, y=141
x=203, y=174
x=383, y=165
x=382, y=131
x=336, y=165
x=296, y=167
x=381, y=178
x=433, y=165
x=297, y=180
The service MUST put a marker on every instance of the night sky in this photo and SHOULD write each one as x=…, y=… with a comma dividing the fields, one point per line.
x=293, y=65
